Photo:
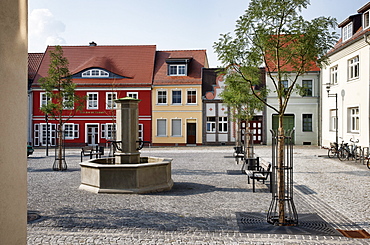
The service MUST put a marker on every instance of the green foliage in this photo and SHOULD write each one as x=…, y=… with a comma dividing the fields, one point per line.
x=272, y=34
x=238, y=96
x=60, y=89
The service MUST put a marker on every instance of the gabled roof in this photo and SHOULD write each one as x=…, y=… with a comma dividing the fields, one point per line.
x=135, y=63
x=197, y=60
x=34, y=61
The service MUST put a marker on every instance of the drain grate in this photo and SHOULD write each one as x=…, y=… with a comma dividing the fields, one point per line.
x=308, y=224
x=355, y=234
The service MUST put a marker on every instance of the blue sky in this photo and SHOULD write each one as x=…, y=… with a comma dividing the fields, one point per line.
x=169, y=24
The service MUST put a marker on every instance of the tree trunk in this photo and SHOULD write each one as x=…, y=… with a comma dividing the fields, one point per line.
x=60, y=147
x=280, y=172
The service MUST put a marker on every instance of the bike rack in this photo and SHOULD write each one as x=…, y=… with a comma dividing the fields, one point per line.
x=364, y=154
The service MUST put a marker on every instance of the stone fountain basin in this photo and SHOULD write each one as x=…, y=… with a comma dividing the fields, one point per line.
x=152, y=174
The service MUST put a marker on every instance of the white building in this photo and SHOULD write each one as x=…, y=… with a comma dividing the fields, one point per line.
x=348, y=75
x=302, y=113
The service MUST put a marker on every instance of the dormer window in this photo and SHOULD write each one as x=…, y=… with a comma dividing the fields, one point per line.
x=347, y=31
x=177, y=67
x=366, y=19
x=177, y=70
x=95, y=73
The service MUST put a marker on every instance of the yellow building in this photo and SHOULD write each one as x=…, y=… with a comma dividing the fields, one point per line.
x=177, y=97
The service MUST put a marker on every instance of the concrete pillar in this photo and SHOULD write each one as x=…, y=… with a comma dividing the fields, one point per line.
x=127, y=124
x=13, y=121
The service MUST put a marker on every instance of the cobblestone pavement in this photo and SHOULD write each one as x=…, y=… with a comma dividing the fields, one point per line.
x=203, y=206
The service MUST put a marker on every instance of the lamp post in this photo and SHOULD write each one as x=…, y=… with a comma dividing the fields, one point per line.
x=328, y=85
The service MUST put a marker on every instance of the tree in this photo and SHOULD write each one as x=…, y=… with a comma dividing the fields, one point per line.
x=274, y=34
x=63, y=103
x=243, y=105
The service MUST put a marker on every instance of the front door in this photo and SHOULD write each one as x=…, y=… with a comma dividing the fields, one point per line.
x=191, y=129
x=92, y=134
x=256, y=128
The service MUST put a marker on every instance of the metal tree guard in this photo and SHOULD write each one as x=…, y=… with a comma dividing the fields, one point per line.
x=283, y=205
x=60, y=157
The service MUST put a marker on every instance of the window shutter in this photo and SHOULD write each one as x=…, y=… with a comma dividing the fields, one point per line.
x=36, y=135
x=103, y=130
x=76, y=131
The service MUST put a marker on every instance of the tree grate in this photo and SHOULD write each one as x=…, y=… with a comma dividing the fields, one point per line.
x=308, y=224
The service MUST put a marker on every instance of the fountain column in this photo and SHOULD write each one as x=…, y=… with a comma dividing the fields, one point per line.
x=127, y=118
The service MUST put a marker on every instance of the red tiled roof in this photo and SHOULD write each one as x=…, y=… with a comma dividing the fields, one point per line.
x=136, y=63
x=197, y=62
x=34, y=61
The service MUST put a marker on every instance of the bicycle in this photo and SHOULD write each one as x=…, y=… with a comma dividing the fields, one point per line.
x=345, y=152
x=333, y=150
x=368, y=163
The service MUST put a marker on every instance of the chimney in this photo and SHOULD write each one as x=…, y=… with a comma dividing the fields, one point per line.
x=92, y=44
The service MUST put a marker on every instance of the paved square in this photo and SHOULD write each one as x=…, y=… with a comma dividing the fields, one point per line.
x=204, y=206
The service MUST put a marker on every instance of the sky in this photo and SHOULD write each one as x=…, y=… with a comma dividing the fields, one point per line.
x=168, y=24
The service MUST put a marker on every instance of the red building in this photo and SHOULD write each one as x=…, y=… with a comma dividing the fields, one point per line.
x=102, y=74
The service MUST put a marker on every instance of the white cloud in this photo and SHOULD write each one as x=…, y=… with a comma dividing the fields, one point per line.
x=44, y=29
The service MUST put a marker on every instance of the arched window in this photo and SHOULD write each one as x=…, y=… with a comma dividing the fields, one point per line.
x=95, y=73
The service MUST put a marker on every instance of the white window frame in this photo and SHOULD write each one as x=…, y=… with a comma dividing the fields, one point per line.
x=95, y=73
x=71, y=131
x=222, y=124
x=44, y=99
x=134, y=95
x=172, y=97
x=187, y=96
x=366, y=19
x=173, y=133
x=107, y=130
x=141, y=131
x=354, y=68
x=354, y=120
x=347, y=31
x=334, y=75
x=88, y=101
x=211, y=125
x=177, y=69
x=165, y=97
x=65, y=107
x=333, y=122
x=165, y=127
x=110, y=97
x=40, y=134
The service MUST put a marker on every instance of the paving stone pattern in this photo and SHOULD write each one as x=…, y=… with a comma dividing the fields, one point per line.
x=203, y=205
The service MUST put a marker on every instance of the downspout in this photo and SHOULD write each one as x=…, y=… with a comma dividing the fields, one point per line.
x=368, y=42
x=319, y=127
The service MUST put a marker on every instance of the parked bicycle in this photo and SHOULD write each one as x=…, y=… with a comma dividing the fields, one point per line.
x=345, y=152
x=333, y=150
x=368, y=163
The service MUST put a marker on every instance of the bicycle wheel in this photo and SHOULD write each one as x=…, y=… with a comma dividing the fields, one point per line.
x=331, y=153
x=368, y=163
x=343, y=154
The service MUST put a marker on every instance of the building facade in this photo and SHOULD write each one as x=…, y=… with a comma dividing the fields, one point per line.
x=177, y=97
x=218, y=129
x=302, y=113
x=102, y=74
x=347, y=78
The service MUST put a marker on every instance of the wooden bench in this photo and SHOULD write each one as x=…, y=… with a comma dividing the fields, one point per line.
x=260, y=174
x=90, y=151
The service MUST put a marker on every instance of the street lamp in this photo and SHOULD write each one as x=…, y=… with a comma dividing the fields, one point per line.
x=328, y=85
